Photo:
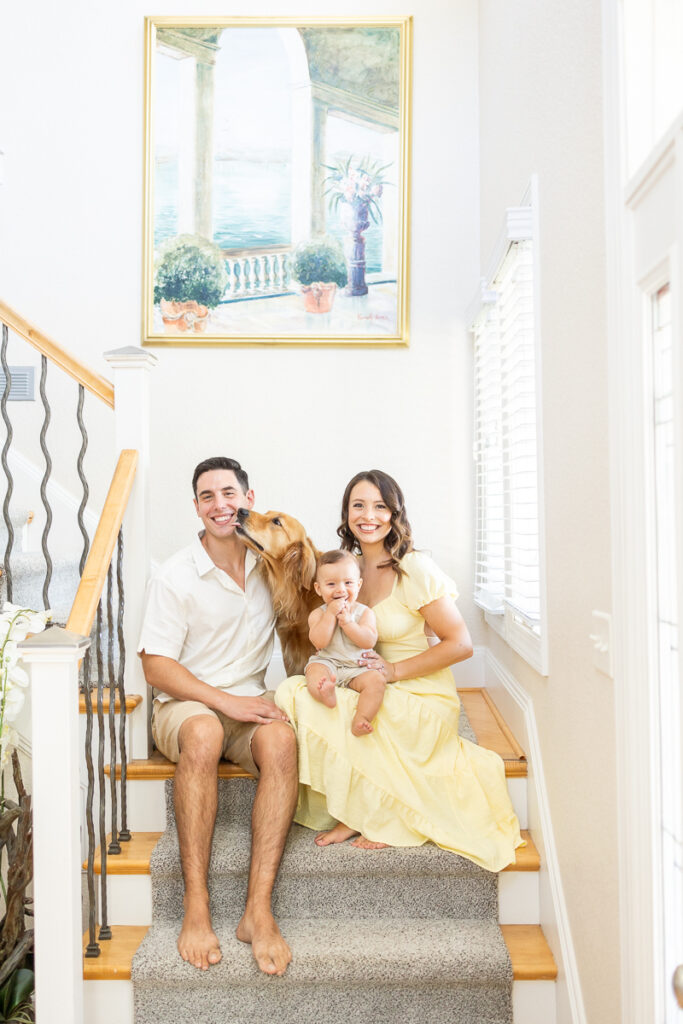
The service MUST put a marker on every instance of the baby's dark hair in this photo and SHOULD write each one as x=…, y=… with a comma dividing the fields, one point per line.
x=334, y=556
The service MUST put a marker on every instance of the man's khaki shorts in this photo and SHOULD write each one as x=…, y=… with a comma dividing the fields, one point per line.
x=168, y=716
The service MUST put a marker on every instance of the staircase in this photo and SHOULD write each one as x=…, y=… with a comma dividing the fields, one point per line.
x=404, y=935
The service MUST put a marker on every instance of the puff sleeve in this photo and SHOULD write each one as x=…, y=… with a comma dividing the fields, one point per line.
x=424, y=581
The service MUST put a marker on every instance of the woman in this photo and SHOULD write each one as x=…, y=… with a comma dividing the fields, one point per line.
x=413, y=778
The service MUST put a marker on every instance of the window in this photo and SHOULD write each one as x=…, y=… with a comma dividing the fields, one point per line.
x=509, y=576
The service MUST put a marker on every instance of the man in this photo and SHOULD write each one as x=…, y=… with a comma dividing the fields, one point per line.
x=207, y=638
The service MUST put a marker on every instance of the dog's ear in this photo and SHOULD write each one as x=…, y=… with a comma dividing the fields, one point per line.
x=299, y=564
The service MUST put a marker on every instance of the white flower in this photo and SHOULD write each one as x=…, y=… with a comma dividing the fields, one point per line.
x=15, y=624
x=8, y=740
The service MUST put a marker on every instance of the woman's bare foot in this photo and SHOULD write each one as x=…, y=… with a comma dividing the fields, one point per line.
x=366, y=844
x=339, y=834
x=328, y=692
x=360, y=726
x=271, y=952
x=197, y=942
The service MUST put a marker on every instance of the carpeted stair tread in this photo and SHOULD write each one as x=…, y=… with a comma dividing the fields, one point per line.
x=326, y=950
x=453, y=972
x=302, y=858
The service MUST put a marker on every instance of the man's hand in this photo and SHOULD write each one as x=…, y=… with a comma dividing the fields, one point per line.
x=251, y=709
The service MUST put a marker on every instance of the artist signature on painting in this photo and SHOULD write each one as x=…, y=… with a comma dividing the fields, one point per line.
x=372, y=316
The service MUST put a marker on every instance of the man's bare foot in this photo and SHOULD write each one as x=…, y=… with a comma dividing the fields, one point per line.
x=197, y=942
x=360, y=726
x=271, y=952
x=366, y=844
x=339, y=834
x=328, y=692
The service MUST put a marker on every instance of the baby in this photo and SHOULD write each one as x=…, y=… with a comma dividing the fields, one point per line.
x=340, y=630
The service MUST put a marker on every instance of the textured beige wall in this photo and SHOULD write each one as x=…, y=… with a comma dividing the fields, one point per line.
x=540, y=111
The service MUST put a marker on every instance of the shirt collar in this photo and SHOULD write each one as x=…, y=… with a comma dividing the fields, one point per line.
x=204, y=563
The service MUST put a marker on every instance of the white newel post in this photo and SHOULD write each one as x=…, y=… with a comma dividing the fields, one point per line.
x=53, y=657
x=132, y=411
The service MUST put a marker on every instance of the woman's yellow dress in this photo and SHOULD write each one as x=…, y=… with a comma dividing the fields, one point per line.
x=412, y=779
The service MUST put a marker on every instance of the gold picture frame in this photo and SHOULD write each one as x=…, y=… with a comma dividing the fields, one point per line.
x=277, y=167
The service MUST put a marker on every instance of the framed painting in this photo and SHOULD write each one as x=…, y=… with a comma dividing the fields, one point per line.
x=277, y=157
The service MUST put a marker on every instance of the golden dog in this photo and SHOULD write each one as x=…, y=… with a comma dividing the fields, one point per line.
x=288, y=563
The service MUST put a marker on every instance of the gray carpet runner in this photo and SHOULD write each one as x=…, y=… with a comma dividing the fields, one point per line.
x=407, y=935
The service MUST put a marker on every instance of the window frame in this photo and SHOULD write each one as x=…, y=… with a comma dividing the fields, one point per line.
x=523, y=634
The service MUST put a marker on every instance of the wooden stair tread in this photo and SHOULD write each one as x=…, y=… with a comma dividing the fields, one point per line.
x=485, y=719
x=491, y=730
x=135, y=856
x=132, y=702
x=159, y=767
x=530, y=954
x=532, y=959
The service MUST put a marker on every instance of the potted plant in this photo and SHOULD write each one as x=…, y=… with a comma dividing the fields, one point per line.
x=320, y=267
x=190, y=279
x=358, y=187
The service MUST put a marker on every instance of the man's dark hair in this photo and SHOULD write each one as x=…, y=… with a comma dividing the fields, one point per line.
x=220, y=462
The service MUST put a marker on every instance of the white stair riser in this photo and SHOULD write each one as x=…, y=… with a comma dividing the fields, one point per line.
x=111, y=1002
x=518, y=897
x=533, y=1002
x=146, y=805
x=517, y=788
x=129, y=898
x=147, y=811
x=108, y=1002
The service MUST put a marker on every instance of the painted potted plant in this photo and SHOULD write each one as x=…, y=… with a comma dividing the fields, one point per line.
x=190, y=279
x=320, y=268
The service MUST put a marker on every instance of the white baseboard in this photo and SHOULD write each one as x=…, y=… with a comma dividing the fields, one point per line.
x=570, y=1007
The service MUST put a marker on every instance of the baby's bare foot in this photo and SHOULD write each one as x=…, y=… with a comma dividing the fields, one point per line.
x=360, y=726
x=197, y=942
x=328, y=692
x=339, y=834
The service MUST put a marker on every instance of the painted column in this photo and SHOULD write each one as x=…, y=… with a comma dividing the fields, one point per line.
x=53, y=658
x=318, y=172
x=203, y=195
x=131, y=368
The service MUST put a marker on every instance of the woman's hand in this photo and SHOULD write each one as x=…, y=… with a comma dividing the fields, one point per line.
x=372, y=660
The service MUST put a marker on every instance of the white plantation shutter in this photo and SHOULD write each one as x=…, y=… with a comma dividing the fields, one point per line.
x=508, y=565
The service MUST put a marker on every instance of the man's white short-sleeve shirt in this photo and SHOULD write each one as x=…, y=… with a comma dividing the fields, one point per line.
x=196, y=614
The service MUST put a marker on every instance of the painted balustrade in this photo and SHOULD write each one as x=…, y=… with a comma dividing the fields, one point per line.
x=258, y=273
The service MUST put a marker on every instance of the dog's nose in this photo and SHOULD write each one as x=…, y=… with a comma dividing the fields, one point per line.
x=242, y=514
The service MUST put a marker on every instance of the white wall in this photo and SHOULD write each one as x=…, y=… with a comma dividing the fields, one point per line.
x=301, y=420
x=540, y=111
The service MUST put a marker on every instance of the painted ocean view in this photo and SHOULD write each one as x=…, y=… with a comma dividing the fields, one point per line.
x=251, y=207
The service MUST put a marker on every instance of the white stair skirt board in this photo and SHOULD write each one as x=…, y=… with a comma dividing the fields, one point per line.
x=111, y=1002
x=554, y=917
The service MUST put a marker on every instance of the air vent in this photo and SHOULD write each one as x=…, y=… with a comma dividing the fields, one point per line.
x=22, y=387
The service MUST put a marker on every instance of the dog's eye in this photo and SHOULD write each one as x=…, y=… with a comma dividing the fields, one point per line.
x=275, y=522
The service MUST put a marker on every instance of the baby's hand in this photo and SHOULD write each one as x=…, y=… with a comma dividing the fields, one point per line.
x=337, y=606
x=344, y=614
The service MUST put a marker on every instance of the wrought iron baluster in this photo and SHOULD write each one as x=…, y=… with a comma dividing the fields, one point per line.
x=114, y=846
x=7, y=568
x=43, y=485
x=105, y=930
x=124, y=834
x=93, y=947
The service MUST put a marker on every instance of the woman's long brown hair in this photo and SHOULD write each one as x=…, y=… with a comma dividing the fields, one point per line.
x=399, y=541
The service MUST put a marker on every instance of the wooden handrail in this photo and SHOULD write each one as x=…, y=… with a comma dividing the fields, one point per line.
x=99, y=386
x=94, y=575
